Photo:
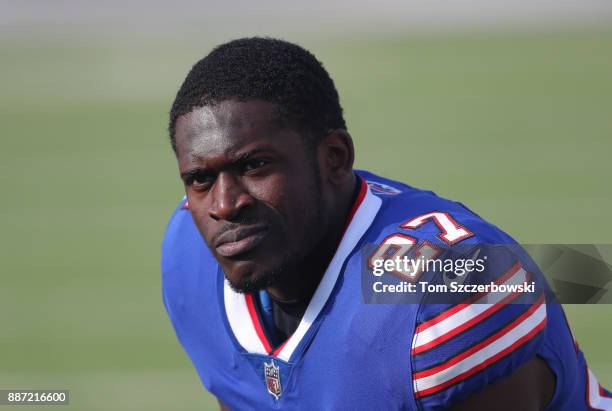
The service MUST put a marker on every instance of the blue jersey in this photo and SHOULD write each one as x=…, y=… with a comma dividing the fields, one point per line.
x=347, y=354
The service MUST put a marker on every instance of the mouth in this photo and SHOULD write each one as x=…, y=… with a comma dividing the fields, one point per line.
x=242, y=240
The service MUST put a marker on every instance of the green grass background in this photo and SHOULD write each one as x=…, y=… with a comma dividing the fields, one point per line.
x=516, y=126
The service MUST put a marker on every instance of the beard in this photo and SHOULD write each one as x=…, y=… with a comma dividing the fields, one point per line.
x=253, y=283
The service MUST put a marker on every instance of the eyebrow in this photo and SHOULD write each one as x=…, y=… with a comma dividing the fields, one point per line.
x=235, y=158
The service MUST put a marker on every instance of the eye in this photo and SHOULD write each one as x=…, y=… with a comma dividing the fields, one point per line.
x=253, y=164
x=201, y=184
x=200, y=181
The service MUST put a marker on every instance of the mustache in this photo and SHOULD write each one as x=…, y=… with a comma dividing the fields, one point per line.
x=233, y=226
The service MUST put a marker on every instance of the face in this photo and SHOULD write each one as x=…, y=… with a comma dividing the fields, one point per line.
x=253, y=188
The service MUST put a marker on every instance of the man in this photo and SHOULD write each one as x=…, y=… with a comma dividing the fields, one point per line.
x=262, y=262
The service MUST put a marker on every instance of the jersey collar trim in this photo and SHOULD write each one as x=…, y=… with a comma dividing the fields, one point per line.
x=244, y=322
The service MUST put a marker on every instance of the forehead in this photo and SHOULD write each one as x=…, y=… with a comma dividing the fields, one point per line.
x=225, y=127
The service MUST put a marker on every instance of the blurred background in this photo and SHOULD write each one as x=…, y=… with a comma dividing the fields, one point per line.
x=505, y=106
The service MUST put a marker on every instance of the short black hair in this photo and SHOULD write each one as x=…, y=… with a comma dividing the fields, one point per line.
x=267, y=69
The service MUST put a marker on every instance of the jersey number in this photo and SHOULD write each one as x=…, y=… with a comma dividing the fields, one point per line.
x=399, y=245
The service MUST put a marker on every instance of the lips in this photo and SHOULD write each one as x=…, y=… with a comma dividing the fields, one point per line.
x=239, y=241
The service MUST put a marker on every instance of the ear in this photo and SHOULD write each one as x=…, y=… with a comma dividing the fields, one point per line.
x=336, y=156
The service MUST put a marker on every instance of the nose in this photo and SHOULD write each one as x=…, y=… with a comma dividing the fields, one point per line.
x=229, y=198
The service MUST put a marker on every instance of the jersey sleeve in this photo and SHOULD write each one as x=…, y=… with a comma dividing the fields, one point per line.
x=478, y=337
x=179, y=254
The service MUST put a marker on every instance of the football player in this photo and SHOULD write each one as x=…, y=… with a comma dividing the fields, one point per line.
x=262, y=262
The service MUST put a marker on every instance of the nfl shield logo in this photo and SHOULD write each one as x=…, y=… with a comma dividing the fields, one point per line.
x=272, y=373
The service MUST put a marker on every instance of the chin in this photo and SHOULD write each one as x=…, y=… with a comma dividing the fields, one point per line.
x=248, y=277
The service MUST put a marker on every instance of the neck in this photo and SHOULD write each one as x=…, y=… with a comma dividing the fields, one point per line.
x=301, y=285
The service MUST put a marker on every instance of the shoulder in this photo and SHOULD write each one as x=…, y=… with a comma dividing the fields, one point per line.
x=461, y=342
x=181, y=238
x=185, y=258
x=427, y=216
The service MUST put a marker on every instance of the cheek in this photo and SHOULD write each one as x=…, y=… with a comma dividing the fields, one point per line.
x=274, y=191
x=296, y=202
